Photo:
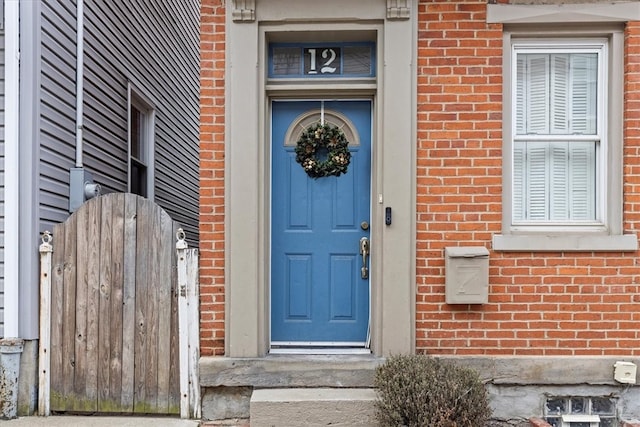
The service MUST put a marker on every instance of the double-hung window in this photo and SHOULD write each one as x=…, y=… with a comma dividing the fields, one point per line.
x=558, y=134
x=141, y=144
x=562, y=140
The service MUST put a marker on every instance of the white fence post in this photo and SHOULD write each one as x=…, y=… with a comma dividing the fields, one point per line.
x=193, y=323
x=44, y=383
x=188, y=328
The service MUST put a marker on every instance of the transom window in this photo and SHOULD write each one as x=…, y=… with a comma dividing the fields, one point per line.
x=324, y=60
x=557, y=133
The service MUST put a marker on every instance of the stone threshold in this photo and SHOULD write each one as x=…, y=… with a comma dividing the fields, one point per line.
x=285, y=371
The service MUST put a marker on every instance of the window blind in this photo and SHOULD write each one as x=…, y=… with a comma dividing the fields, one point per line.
x=556, y=95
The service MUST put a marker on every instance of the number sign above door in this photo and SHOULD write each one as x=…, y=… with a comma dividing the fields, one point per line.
x=315, y=60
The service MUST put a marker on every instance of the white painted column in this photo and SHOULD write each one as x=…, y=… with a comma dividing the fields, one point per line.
x=398, y=145
x=12, y=170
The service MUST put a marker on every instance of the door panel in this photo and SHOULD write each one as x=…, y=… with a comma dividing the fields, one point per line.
x=317, y=292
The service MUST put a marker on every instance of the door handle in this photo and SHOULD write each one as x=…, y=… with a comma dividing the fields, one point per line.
x=364, y=251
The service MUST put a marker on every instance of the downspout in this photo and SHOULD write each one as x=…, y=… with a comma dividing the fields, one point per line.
x=12, y=169
x=81, y=185
x=79, y=79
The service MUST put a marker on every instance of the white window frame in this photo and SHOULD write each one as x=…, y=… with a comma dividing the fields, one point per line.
x=598, y=47
x=606, y=234
x=142, y=103
x=568, y=420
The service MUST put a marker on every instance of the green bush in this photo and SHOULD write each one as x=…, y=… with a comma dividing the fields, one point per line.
x=418, y=390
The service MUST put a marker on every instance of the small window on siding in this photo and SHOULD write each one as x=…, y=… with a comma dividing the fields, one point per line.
x=141, y=144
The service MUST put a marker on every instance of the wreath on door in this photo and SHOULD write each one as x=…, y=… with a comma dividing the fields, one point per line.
x=323, y=150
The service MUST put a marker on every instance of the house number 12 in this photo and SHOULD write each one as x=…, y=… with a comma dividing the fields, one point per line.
x=328, y=57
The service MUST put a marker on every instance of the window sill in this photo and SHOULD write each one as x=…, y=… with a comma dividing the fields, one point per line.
x=565, y=243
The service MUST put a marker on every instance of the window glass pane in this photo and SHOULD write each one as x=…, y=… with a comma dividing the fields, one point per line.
x=607, y=422
x=602, y=405
x=519, y=180
x=556, y=93
x=581, y=180
x=138, y=179
x=538, y=185
x=137, y=133
x=554, y=422
x=578, y=406
x=536, y=84
x=556, y=406
x=286, y=61
x=357, y=60
x=559, y=96
x=583, y=75
x=554, y=181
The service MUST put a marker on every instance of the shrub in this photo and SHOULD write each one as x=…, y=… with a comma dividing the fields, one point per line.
x=418, y=390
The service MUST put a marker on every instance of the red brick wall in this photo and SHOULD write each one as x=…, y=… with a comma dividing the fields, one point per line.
x=539, y=303
x=212, y=48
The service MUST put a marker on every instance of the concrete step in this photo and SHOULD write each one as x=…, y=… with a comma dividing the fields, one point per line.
x=312, y=407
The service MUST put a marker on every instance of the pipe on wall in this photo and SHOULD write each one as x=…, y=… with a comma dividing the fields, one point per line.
x=79, y=80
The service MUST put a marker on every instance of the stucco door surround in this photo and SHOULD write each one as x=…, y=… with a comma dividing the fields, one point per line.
x=251, y=26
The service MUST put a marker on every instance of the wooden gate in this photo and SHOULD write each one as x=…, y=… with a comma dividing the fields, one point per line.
x=114, y=342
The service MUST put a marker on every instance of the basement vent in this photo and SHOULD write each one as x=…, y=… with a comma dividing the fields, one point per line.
x=581, y=412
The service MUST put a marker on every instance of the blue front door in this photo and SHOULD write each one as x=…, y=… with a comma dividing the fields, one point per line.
x=318, y=292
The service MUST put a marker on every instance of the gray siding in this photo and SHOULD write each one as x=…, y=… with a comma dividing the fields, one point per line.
x=153, y=44
x=57, y=109
x=1, y=180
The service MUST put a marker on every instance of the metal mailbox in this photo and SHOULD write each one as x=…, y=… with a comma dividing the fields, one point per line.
x=466, y=275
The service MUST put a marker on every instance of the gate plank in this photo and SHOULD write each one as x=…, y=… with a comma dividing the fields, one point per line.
x=104, y=304
x=68, y=313
x=165, y=245
x=93, y=299
x=128, y=302
x=57, y=307
x=143, y=247
x=82, y=284
x=151, y=375
x=116, y=327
